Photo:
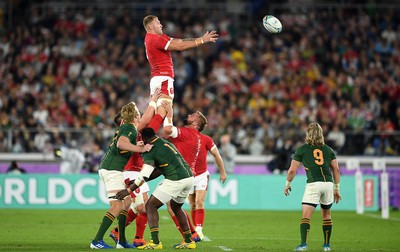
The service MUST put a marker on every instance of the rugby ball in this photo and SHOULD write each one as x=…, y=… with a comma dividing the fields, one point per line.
x=272, y=24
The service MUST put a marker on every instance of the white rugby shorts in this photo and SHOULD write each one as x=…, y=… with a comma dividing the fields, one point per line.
x=200, y=182
x=318, y=193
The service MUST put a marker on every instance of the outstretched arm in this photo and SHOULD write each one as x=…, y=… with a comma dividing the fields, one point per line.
x=188, y=43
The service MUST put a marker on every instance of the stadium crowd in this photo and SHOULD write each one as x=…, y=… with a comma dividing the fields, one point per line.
x=73, y=71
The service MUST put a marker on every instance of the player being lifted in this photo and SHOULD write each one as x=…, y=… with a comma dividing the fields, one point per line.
x=158, y=52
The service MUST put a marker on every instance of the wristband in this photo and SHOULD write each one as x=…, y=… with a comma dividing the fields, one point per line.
x=195, y=41
x=139, y=181
x=336, y=186
x=153, y=104
x=202, y=41
x=287, y=183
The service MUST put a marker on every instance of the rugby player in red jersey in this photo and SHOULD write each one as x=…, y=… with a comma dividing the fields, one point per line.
x=158, y=52
x=187, y=140
x=197, y=194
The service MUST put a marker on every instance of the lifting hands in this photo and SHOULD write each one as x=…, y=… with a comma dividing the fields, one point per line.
x=211, y=36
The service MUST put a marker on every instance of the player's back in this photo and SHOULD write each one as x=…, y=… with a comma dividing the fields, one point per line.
x=167, y=159
x=316, y=161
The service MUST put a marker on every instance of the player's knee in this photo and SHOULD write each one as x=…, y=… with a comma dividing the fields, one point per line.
x=141, y=208
x=199, y=204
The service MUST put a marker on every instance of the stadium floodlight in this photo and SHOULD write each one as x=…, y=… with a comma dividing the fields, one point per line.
x=379, y=164
x=354, y=164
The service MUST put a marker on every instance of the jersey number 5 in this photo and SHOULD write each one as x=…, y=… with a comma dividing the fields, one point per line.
x=318, y=156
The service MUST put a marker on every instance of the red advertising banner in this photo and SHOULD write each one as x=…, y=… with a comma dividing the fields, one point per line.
x=368, y=193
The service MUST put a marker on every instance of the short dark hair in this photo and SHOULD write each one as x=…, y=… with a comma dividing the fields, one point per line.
x=148, y=134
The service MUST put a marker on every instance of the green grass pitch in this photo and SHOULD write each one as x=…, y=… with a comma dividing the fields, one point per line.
x=73, y=230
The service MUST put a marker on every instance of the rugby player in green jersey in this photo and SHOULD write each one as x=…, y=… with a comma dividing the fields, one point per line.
x=322, y=186
x=164, y=159
x=119, y=151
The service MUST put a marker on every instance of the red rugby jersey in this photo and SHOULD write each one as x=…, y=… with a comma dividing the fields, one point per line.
x=188, y=144
x=159, y=57
x=206, y=144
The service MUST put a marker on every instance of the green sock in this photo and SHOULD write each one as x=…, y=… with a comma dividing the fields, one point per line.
x=105, y=224
x=188, y=236
x=304, y=229
x=121, y=225
x=154, y=235
x=327, y=229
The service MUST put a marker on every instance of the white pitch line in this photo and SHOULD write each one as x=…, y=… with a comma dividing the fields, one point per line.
x=224, y=248
x=206, y=239
x=380, y=217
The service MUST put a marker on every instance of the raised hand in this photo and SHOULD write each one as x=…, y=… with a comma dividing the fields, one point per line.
x=211, y=36
x=157, y=93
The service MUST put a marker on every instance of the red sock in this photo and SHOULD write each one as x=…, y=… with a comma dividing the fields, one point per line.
x=156, y=122
x=131, y=217
x=141, y=222
x=177, y=224
x=199, y=217
x=189, y=222
x=193, y=212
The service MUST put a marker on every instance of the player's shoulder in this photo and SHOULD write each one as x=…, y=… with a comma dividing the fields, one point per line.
x=127, y=126
x=303, y=147
x=205, y=137
x=328, y=148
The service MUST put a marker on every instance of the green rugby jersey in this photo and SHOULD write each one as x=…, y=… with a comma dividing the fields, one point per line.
x=116, y=159
x=166, y=158
x=316, y=161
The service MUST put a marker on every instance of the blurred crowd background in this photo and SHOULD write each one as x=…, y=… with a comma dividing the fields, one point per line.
x=66, y=69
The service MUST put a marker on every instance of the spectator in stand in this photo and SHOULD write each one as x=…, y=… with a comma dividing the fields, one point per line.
x=228, y=153
x=336, y=138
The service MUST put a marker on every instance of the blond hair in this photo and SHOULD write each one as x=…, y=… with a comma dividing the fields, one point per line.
x=202, y=121
x=314, y=135
x=147, y=20
x=129, y=112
